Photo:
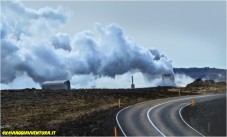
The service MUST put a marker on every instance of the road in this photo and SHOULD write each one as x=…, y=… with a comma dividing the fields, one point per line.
x=161, y=117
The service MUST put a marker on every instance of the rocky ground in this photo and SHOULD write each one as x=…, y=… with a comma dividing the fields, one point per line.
x=209, y=118
x=82, y=112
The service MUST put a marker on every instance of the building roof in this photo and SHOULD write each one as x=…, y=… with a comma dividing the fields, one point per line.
x=55, y=82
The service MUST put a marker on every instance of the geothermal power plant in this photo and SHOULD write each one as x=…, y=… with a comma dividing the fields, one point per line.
x=65, y=84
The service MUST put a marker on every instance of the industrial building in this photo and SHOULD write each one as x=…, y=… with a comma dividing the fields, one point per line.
x=168, y=78
x=59, y=84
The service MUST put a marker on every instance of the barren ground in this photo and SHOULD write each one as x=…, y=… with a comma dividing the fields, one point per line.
x=209, y=118
x=82, y=112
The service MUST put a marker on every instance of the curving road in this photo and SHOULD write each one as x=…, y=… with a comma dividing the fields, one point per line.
x=161, y=117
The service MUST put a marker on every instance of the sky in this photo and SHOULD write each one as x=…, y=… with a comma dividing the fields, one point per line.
x=191, y=33
x=103, y=43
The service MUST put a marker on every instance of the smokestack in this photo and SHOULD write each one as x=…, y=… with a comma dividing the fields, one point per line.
x=132, y=79
x=132, y=85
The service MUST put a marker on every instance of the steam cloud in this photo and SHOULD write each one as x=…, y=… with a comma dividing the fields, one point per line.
x=31, y=47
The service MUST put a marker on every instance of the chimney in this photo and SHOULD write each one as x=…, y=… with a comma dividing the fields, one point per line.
x=132, y=79
x=132, y=85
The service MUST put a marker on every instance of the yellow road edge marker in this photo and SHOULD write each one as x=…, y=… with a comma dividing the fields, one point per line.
x=115, y=132
x=119, y=103
x=193, y=102
x=179, y=92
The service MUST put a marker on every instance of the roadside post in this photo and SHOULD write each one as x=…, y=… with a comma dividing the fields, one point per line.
x=179, y=92
x=193, y=102
x=209, y=127
x=115, y=132
x=119, y=103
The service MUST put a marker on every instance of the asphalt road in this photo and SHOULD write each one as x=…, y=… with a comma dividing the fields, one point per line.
x=161, y=117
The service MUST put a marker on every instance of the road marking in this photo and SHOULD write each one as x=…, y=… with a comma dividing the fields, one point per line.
x=118, y=121
x=148, y=112
x=186, y=122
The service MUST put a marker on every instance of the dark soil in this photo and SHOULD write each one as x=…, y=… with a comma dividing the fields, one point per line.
x=209, y=118
x=96, y=124
x=81, y=112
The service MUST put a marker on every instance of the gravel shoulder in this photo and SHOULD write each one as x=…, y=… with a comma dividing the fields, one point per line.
x=208, y=117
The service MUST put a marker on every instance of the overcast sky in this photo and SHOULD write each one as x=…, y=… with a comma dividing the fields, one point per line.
x=191, y=34
x=104, y=43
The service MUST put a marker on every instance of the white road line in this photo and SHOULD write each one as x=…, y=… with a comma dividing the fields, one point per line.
x=118, y=121
x=148, y=112
x=186, y=122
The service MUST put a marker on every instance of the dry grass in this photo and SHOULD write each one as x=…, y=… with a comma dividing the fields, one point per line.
x=42, y=110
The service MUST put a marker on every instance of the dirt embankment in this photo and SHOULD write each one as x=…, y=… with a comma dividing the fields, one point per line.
x=82, y=112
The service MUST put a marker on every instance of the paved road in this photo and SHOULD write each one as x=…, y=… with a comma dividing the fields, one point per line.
x=161, y=117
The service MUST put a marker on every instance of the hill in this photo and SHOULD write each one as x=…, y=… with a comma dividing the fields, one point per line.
x=203, y=73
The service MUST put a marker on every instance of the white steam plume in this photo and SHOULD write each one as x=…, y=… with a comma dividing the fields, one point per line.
x=102, y=54
x=182, y=80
